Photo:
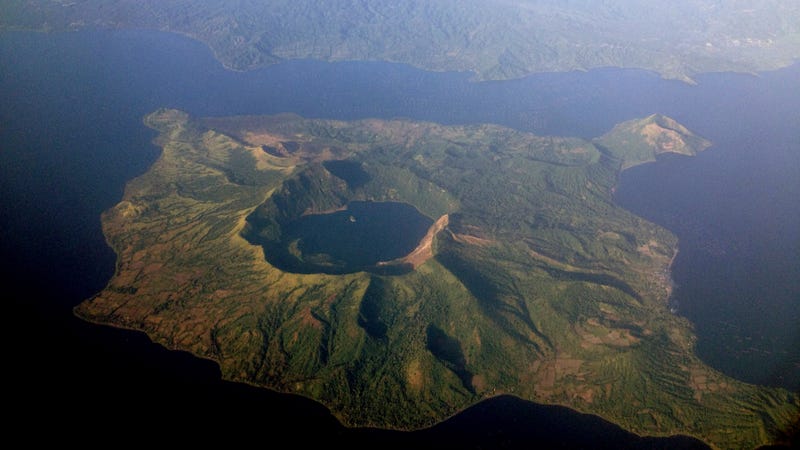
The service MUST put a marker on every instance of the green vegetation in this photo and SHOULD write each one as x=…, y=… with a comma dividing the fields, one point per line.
x=539, y=285
x=639, y=141
x=496, y=39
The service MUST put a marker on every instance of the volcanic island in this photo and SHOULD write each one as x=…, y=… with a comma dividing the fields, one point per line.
x=399, y=272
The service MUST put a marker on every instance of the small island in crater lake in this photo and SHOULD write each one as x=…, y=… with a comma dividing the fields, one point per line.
x=400, y=271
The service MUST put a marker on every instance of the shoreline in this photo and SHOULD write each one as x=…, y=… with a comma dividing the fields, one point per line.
x=351, y=427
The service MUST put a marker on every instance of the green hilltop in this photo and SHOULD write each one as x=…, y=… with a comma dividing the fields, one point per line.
x=530, y=280
x=495, y=39
x=638, y=141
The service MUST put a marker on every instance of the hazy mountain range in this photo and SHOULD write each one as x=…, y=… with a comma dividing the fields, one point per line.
x=496, y=39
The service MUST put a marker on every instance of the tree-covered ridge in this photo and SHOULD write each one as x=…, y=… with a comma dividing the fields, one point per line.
x=538, y=285
x=496, y=39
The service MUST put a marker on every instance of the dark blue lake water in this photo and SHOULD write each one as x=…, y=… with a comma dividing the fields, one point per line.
x=71, y=137
x=352, y=240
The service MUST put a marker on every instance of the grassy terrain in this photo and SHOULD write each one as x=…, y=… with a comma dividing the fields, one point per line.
x=496, y=39
x=539, y=285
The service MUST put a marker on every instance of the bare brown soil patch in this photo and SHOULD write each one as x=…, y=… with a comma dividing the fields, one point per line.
x=307, y=318
x=472, y=240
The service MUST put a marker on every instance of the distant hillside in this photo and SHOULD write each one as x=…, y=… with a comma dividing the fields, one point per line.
x=496, y=39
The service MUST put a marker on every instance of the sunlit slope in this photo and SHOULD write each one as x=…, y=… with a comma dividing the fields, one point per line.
x=496, y=39
x=538, y=285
